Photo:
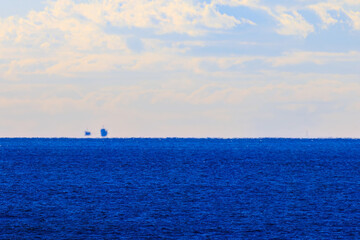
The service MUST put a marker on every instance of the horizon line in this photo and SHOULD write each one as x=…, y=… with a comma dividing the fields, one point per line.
x=225, y=138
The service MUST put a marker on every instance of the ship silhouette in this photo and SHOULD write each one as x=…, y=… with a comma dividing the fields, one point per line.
x=103, y=132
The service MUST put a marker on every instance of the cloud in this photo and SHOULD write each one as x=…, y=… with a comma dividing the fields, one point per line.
x=68, y=37
x=258, y=99
x=187, y=17
x=326, y=9
x=355, y=18
x=322, y=10
x=292, y=23
x=298, y=57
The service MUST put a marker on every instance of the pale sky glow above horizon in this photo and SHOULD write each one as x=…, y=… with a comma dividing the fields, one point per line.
x=181, y=68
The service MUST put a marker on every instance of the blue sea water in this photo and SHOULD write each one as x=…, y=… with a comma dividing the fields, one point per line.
x=179, y=189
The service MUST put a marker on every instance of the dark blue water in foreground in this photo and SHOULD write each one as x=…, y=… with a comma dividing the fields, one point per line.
x=179, y=189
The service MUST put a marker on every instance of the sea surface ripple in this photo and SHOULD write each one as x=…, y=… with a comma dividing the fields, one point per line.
x=179, y=189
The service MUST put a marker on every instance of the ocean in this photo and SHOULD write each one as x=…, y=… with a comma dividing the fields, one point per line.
x=179, y=188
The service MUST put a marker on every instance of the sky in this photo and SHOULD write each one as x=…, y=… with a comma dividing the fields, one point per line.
x=180, y=68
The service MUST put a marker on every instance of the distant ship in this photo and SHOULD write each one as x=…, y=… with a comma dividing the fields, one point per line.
x=103, y=132
x=87, y=133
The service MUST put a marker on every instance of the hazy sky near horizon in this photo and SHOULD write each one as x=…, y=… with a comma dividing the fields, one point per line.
x=184, y=68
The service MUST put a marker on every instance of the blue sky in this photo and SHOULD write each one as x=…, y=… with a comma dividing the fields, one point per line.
x=20, y=7
x=215, y=68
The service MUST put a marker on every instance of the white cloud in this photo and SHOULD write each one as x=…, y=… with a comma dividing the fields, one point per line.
x=350, y=8
x=69, y=37
x=187, y=16
x=292, y=23
x=355, y=18
x=322, y=9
